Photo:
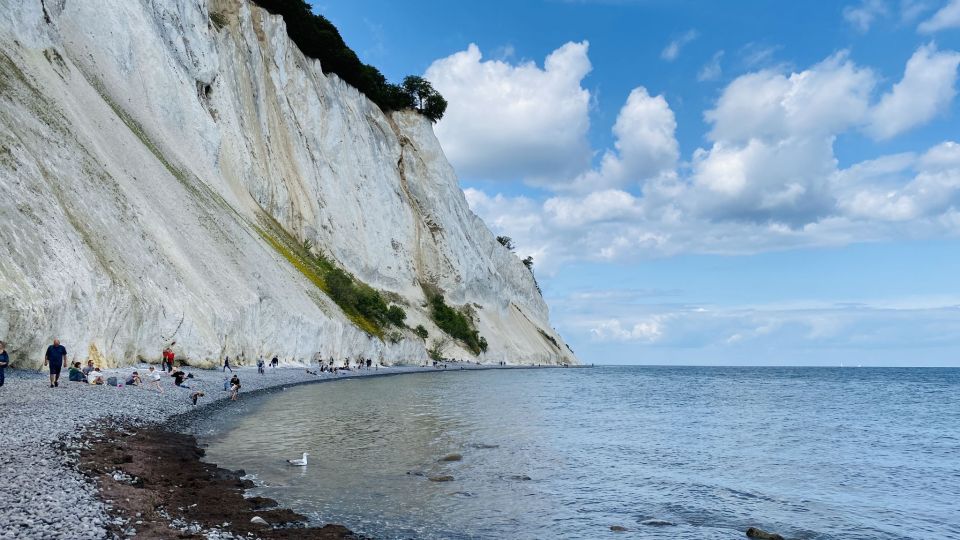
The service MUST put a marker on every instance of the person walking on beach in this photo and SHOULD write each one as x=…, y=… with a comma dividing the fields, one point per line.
x=154, y=377
x=226, y=364
x=54, y=358
x=4, y=360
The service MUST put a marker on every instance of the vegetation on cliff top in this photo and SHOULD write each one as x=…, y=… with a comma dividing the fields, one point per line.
x=318, y=38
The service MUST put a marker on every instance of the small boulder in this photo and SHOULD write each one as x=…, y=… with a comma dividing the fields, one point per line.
x=451, y=457
x=441, y=478
x=259, y=521
x=618, y=528
x=754, y=532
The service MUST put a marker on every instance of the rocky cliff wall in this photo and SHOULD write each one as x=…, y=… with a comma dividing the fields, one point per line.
x=150, y=157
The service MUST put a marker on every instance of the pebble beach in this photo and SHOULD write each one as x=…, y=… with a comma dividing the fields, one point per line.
x=44, y=494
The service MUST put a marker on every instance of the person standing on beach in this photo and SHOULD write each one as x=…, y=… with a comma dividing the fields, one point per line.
x=226, y=364
x=166, y=364
x=4, y=360
x=260, y=364
x=234, y=388
x=55, y=356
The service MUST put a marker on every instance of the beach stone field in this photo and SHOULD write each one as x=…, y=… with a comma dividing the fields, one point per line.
x=44, y=494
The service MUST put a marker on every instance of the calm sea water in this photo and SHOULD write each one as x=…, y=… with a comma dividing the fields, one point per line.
x=689, y=453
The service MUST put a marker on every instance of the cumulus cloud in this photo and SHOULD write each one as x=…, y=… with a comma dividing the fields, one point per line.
x=947, y=17
x=645, y=147
x=672, y=51
x=862, y=15
x=927, y=88
x=508, y=120
x=768, y=178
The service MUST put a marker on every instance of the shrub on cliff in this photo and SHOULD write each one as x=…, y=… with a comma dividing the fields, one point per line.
x=455, y=324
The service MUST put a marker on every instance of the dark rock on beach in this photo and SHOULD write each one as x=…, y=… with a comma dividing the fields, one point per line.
x=452, y=457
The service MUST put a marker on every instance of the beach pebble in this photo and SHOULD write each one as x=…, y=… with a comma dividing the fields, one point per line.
x=618, y=528
x=259, y=521
x=41, y=426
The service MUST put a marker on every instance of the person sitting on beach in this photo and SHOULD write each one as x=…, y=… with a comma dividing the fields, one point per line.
x=134, y=379
x=154, y=377
x=178, y=378
x=88, y=368
x=76, y=374
x=234, y=388
x=95, y=376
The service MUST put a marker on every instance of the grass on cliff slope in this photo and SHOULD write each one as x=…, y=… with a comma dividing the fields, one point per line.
x=455, y=324
x=362, y=304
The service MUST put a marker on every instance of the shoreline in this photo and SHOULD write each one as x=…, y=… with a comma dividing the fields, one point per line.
x=48, y=430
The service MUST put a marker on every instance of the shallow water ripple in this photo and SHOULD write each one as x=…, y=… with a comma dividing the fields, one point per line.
x=690, y=453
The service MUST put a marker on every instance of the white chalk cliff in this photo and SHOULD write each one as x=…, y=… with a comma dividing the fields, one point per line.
x=153, y=162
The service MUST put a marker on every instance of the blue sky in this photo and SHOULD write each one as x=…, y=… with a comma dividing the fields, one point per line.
x=703, y=182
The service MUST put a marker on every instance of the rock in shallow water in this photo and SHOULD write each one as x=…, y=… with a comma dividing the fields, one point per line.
x=441, y=478
x=754, y=532
x=452, y=457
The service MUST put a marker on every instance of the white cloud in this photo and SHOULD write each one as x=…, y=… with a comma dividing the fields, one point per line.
x=928, y=87
x=767, y=180
x=712, y=70
x=514, y=120
x=645, y=145
x=644, y=331
x=826, y=98
x=911, y=10
x=947, y=17
x=901, y=323
x=865, y=13
x=672, y=51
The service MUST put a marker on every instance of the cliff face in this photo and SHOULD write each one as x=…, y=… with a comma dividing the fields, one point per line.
x=154, y=160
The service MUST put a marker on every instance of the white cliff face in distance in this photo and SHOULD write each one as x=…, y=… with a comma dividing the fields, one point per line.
x=156, y=167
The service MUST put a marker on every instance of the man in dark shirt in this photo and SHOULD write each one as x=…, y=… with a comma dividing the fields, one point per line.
x=4, y=360
x=55, y=356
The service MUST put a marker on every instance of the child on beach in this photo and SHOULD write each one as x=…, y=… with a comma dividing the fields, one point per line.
x=95, y=376
x=134, y=379
x=154, y=377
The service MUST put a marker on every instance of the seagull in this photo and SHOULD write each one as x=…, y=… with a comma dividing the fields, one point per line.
x=299, y=462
